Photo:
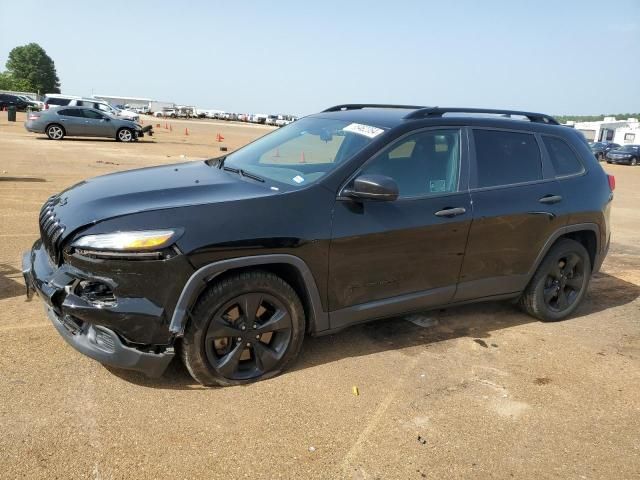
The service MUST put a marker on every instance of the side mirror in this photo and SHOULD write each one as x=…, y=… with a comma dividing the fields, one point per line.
x=373, y=187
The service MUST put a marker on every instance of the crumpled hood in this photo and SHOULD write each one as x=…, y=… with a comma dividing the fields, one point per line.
x=153, y=188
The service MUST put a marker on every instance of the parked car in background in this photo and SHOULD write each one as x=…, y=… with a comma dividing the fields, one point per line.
x=397, y=210
x=600, y=149
x=34, y=104
x=272, y=120
x=285, y=120
x=55, y=100
x=59, y=122
x=104, y=107
x=168, y=113
x=9, y=100
x=627, y=154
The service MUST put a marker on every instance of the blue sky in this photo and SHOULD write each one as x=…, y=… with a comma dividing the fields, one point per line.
x=577, y=57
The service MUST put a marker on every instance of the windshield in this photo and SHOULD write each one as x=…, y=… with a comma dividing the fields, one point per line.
x=597, y=145
x=303, y=152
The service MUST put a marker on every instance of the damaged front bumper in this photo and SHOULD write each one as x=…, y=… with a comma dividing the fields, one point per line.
x=88, y=326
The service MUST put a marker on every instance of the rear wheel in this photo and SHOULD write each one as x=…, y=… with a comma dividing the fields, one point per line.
x=245, y=328
x=634, y=161
x=125, y=135
x=55, y=132
x=560, y=283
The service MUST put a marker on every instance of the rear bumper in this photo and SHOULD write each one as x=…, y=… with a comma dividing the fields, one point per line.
x=30, y=127
x=84, y=325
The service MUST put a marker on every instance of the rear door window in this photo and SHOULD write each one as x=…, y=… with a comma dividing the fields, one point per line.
x=563, y=158
x=506, y=158
x=70, y=113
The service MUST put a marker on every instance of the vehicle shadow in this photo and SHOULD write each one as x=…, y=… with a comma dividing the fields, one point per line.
x=476, y=321
x=22, y=179
x=9, y=287
x=78, y=139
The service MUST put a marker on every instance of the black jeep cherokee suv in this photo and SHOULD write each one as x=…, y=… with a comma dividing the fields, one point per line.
x=356, y=213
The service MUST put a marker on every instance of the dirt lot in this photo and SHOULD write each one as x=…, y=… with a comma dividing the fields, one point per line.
x=484, y=393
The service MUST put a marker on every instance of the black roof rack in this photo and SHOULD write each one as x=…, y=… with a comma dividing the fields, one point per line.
x=359, y=106
x=439, y=111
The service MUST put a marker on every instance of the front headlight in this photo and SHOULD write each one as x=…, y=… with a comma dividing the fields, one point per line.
x=142, y=240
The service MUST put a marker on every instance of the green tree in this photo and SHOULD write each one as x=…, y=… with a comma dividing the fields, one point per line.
x=7, y=82
x=30, y=68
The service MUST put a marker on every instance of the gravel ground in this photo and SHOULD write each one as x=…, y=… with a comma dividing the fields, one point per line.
x=481, y=391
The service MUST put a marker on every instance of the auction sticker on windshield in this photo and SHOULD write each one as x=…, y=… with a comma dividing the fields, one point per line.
x=366, y=130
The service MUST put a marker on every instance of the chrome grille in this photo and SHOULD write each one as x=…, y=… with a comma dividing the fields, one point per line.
x=51, y=230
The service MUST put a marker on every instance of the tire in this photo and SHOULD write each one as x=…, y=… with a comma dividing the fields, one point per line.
x=125, y=135
x=55, y=131
x=634, y=161
x=542, y=298
x=223, y=345
x=600, y=157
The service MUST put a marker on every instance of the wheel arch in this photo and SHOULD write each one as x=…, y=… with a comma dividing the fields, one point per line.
x=290, y=268
x=587, y=234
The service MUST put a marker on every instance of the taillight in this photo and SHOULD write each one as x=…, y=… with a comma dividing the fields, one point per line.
x=612, y=182
x=46, y=106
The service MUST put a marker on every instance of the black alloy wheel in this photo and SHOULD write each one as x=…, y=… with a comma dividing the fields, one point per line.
x=560, y=282
x=564, y=283
x=248, y=336
x=246, y=327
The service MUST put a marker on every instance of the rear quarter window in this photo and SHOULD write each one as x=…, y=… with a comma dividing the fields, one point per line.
x=563, y=158
x=506, y=158
x=58, y=101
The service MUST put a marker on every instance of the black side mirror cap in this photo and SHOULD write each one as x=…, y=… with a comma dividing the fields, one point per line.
x=372, y=187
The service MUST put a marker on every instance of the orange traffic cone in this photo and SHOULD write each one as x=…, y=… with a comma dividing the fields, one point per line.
x=219, y=137
x=302, y=159
x=186, y=131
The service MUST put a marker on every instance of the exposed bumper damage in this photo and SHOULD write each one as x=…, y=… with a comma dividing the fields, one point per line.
x=107, y=323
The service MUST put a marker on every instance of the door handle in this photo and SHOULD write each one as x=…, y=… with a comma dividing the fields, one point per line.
x=550, y=199
x=450, y=212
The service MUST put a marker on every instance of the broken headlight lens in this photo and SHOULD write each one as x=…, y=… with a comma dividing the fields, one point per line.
x=142, y=240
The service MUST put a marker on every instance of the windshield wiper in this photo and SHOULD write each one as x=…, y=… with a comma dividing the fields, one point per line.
x=244, y=173
x=253, y=176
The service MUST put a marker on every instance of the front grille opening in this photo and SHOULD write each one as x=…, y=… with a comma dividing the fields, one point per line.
x=51, y=230
x=97, y=293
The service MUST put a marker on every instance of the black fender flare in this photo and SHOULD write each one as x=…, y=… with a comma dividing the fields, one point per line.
x=201, y=277
x=578, y=227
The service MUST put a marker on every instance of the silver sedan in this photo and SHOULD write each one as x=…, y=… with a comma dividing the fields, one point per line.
x=83, y=122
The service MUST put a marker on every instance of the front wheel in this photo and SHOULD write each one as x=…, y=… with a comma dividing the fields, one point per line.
x=634, y=161
x=125, y=135
x=559, y=284
x=245, y=328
